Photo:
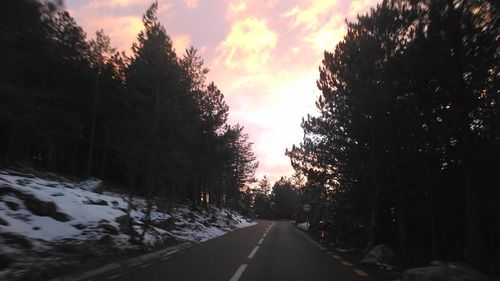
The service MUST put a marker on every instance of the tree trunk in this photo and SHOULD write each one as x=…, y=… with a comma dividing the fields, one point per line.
x=371, y=229
x=90, y=154
x=434, y=226
x=130, y=207
x=372, y=223
x=73, y=158
x=431, y=167
x=475, y=252
x=103, y=161
x=10, y=149
x=402, y=231
x=51, y=157
x=149, y=205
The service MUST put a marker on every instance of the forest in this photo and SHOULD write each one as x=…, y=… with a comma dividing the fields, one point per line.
x=404, y=146
x=149, y=121
x=402, y=149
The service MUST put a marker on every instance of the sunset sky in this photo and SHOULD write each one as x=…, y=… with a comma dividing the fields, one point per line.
x=263, y=55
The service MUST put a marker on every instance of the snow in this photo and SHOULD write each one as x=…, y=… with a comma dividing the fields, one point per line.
x=303, y=226
x=245, y=223
x=200, y=232
x=196, y=235
x=69, y=200
x=32, y=226
x=91, y=216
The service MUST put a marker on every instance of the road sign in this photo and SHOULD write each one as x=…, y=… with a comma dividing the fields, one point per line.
x=306, y=207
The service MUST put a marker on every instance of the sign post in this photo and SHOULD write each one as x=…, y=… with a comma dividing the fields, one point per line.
x=307, y=208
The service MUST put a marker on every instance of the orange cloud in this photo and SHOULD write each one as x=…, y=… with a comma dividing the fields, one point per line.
x=311, y=16
x=248, y=45
x=361, y=6
x=191, y=3
x=273, y=117
x=181, y=43
x=327, y=37
x=122, y=30
x=113, y=3
x=238, y=6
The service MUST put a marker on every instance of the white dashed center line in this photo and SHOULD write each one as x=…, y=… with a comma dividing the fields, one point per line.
x=241, y=269
x=238, y=273
x=252, y=253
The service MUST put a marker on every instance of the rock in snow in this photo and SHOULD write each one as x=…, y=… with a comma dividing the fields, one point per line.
x=380, y=254
x=91, y=184
x=443, y=272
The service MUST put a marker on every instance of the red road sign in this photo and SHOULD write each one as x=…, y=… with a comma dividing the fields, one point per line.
x=306, y=207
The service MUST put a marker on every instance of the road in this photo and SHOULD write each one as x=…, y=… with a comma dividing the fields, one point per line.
x=266, y=251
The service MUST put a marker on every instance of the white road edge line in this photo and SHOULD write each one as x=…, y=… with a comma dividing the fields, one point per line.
x=170, y=253
x=260, y=241
x=238, y=273
x=252, y=253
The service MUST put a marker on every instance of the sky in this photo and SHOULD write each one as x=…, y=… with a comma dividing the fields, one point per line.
x=263, y=55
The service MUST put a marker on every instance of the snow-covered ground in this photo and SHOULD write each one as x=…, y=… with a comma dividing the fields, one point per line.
x=38, y=215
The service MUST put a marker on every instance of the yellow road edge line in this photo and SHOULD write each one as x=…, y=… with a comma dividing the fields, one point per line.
x=115, y=276
x=346, y=263
x=360, y=272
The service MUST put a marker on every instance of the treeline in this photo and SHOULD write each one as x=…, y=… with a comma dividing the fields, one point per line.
x=149, y=121
x=405, y=148
x=277, y=201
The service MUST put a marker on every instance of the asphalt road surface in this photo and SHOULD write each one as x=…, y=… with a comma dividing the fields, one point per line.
x=266, y=251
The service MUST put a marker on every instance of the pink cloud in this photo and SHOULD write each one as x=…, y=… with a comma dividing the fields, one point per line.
x=94, y=4
x=181, y=43
x=123, y=30
x=192, y=4
x=263, y=55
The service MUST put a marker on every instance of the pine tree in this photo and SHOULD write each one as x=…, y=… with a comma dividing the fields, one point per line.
x=100, y=52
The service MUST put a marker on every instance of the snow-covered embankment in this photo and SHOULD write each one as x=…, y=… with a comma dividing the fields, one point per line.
x=49, y=224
